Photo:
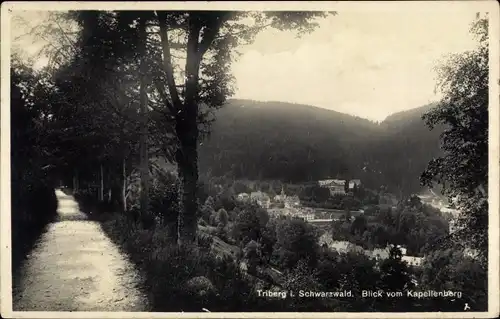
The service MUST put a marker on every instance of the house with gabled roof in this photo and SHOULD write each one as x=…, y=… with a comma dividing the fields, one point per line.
x=336, y=186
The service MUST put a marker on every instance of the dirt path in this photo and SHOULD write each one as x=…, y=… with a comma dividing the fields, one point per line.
x=75, y=267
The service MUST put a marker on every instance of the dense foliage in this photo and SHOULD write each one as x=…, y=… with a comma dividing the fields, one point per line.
x=411, y=224
x=463, y=168
x=33, y=199
x=284, y=254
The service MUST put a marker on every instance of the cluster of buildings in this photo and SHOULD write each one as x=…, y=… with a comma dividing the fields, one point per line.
x=338, y=186
x=378, y=254
x=261, y=198
x=280, y=205
x=265, y=201
x=286, y=205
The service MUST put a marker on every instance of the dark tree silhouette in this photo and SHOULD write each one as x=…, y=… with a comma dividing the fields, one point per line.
x=463, y=169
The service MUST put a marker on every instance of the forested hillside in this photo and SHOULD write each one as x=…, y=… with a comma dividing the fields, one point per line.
x=405, y=148
x=296, y=143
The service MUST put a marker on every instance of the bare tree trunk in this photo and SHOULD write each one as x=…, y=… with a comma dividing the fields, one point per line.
x=75, y=181
x=144, y=160
x=124, y=186
x=101, y=185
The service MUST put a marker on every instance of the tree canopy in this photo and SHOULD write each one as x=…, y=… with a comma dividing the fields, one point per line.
x=184, y=68
x=463, y=169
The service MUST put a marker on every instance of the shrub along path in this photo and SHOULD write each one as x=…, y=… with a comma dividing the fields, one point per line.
x=76, y=267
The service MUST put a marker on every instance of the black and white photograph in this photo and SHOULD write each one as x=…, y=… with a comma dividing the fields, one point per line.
x=204, y=159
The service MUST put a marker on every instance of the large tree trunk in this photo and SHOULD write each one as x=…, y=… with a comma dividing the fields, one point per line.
x=186, y=116
x=187, y=133
x=144, y=160
x=187, y=165
x=119, y=187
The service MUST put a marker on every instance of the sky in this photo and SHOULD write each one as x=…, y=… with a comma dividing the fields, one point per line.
x=361, y=63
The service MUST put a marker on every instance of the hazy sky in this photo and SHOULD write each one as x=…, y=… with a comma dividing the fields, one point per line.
x=362, y=63
x=366, y=64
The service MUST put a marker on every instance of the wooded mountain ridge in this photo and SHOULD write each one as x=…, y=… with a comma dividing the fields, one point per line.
x=300, y=143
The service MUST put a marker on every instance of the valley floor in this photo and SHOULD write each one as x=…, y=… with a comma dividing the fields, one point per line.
x=75, y=267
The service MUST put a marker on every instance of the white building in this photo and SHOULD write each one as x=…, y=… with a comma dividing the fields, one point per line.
x=354, y=182
x=336, y=186
x=262, y=199
x=308, y=217
x=325, y=182
x=281, y=197
x=292, y=201
x=288, y=201
x=384, y=253
x=243, y=197
x=413, y=261
x=378, y=253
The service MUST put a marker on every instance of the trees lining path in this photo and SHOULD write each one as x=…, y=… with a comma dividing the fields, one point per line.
x=75, y=267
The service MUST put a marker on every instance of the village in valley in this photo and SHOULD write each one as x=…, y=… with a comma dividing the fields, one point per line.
x=283, y=205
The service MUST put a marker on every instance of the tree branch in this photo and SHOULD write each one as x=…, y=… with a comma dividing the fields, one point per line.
x=173, y=45
x=193, y=59
x=210, y=34
x=163, y=96
x=159, y=110
x=66, y=37
x=253, y=29
x=167, y=60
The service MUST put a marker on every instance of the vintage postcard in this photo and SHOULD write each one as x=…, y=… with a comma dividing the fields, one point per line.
x=250, y=159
